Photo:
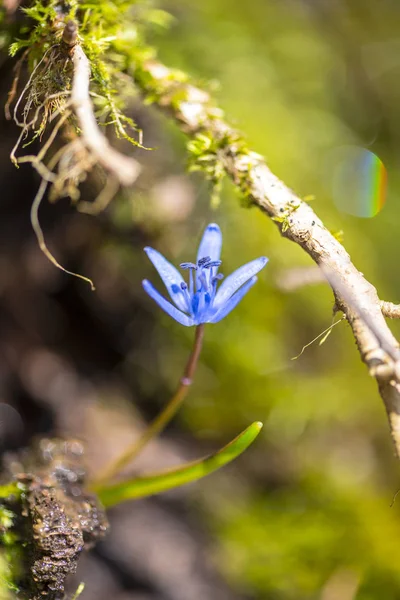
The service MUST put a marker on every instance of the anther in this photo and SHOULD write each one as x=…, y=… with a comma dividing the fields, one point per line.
x=203, y=261
x=188, y=265
x=213, y=263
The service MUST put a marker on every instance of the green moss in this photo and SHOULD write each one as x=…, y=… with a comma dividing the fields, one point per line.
x=284, y=219
x=112, y=34
x=208, y=154
x=10, y=544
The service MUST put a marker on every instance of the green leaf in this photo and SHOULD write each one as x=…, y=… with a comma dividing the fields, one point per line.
x=166, y=480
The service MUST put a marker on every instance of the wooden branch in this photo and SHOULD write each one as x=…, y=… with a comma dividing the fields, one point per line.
x=124, y=168
x=192, y=108
x=390, y=310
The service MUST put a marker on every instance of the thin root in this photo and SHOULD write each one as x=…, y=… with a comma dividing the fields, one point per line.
x=102, y=200
x=40, y=238
x=13, y=90
x=33, y=121
x=27, y=86
x=37, y=107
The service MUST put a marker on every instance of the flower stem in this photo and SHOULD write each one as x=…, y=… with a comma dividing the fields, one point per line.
x=162, y=420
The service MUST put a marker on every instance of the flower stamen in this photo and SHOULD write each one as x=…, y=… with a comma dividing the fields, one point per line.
x=203, y=261
x=188, y=265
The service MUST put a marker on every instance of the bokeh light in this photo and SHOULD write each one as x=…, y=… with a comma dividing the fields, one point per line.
x=359, y=181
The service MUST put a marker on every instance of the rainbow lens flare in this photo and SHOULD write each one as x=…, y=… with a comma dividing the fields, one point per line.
x=359, y=181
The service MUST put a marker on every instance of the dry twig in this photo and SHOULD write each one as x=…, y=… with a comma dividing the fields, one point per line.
x=390, y=310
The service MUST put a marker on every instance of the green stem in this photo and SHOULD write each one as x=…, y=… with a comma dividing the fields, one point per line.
x=162, y=420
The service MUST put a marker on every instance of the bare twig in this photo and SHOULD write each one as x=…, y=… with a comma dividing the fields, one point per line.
x=354, y=295
x=125, y=169
x=390, y=310
x=292, y=279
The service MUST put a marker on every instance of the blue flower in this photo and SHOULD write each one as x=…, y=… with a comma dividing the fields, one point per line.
x=201, y=301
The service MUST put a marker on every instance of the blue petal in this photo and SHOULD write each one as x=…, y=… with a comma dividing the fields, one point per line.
x=167, y=306
x=232, y=302
x=234, y=281
x=211, y=243
x=170, y=276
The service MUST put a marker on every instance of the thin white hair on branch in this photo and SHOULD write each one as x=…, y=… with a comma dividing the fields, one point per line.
x=322, y=337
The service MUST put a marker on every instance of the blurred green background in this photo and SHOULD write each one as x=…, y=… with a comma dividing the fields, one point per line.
x=306, y=513
x=309, y=515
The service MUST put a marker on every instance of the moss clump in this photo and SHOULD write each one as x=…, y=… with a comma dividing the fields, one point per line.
x=112, y=34
x=208, y=153
x=10, y=543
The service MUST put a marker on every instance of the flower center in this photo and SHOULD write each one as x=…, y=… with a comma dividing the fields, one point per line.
x=200, y=293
